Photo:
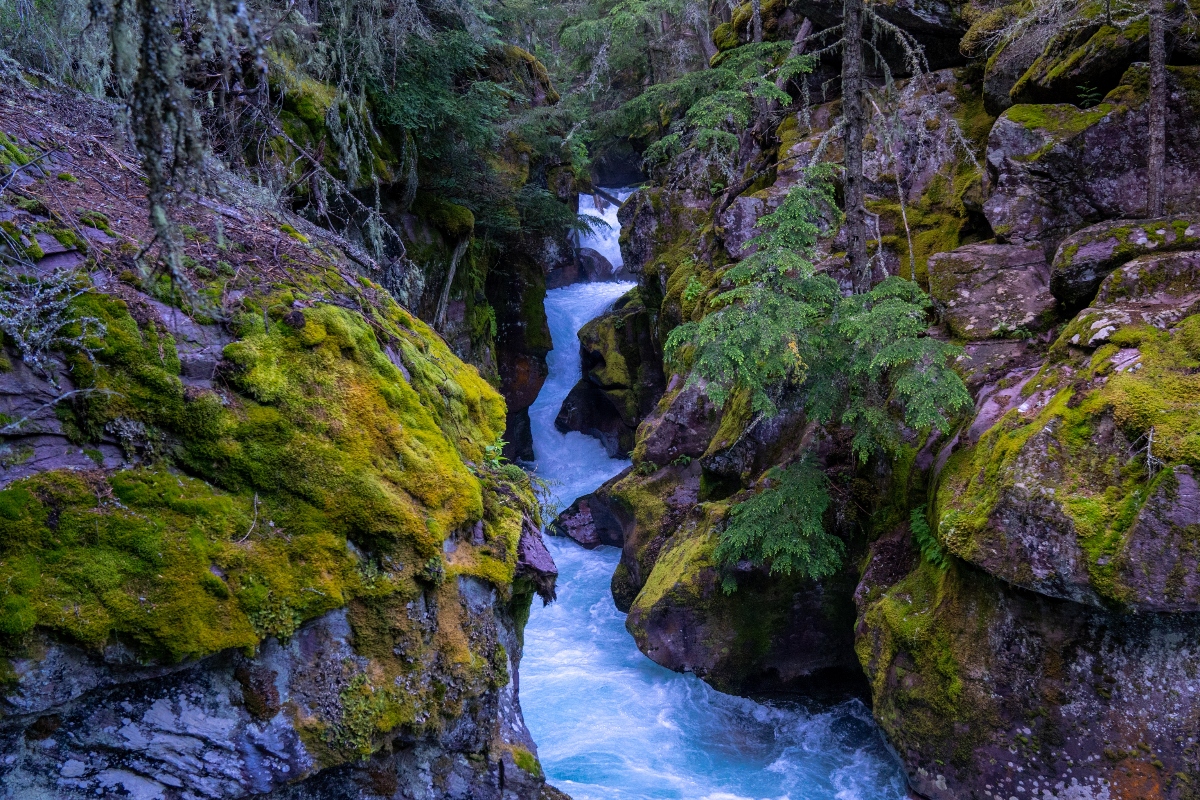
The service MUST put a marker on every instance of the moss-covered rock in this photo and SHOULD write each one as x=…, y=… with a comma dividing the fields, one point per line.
x=1053, y=169
x=773, y=633
x=984, y=689
x=622, y=375
x=1086, y=258
x=289, y=544
x=1048, y=497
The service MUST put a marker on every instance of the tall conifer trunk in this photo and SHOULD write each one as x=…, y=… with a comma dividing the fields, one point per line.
x=854, y=113
x=1156, y=178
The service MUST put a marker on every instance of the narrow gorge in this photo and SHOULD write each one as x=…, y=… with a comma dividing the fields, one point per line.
x=606, y=399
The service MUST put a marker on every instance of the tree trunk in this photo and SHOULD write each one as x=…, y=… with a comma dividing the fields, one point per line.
x=439, y=317
x=854, y=115
x=756, y=21
x=1156, y=188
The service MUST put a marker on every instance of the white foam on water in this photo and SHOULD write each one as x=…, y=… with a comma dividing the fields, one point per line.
x=604, y=240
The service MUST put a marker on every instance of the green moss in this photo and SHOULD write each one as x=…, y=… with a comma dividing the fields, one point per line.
x=1061, y=121
x=327, y=442
x=725, y=37
x=526, y=760
x=913, y=644
x=1101, y=487
x=67, y=177
x=453, y=220
x=292, y=232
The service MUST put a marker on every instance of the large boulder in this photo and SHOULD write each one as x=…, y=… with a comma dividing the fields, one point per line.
x=773, y=633
x=1087, y=257
x=1154, y=290
x=1053, y=169
x=993, y=290
x=1086, y=468
x=622, y=375
x=990, y=692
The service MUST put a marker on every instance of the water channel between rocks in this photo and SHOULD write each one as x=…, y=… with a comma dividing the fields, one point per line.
x=611, y=724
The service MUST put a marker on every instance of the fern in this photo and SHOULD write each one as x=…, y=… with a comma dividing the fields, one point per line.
x=931, y=549
x=782, y=527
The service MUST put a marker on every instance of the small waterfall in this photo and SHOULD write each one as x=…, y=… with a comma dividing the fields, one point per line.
x=605, y=240
x=612, y=725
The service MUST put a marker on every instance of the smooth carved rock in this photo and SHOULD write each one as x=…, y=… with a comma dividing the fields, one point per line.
x=593, y=520
x=992, y=290
x=535, y=562
x=229, y=726
x=1053, y=169
x=1086, y=258
x=588, y=266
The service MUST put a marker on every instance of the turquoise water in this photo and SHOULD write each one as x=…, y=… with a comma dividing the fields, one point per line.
x=612, y=725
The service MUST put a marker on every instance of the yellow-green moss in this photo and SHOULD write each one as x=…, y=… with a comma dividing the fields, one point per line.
x=912, y=644
x=1100, y=489
x=327, y=441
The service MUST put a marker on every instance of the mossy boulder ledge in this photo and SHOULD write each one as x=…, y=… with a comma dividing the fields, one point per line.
x=255, y=540
x=1050, y=653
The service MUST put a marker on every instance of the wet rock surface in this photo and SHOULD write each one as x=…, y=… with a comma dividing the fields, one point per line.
x=622, y=375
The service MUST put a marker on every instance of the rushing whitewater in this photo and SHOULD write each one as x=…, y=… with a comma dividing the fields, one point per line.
x=611, y=724
x=605, y=239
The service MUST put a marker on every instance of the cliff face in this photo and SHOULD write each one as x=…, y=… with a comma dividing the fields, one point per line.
x=1040, y=639
x=255, y=536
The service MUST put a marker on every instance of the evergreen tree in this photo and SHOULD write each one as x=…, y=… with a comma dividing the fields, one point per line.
x=861, y=363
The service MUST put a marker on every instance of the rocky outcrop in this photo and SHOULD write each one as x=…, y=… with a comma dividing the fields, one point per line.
x=268, y=725
x=1087, y=257
x=771, y=634
x=681, y=425
x=1054, y=169
x=253, y=541
x=622, y=375
x=588, y=266
x=993, y=290
x=987, y=691
x=1049, y=660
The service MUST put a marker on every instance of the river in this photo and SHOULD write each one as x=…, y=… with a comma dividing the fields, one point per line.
x=612, y=725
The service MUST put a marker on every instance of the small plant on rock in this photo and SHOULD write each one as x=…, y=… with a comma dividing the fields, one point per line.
x=37, y=315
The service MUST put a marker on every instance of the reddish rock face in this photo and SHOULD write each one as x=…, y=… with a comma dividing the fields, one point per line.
x=993, y=290
x=1087, y=257
x=1053, y=169
x=681, y=426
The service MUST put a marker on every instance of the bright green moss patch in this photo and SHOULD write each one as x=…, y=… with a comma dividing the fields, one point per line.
x=1100, y=479
x=350, y=427
x=292, y=232
x=157, y=560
